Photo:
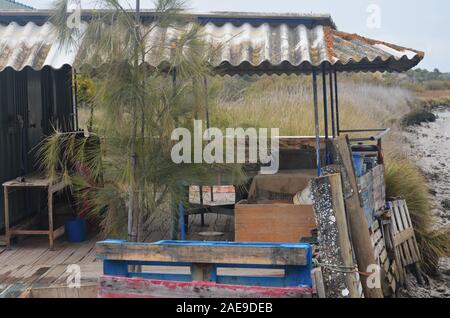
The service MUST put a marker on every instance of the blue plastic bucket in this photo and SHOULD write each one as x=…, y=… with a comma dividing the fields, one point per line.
x=358, y=163
x=76, y=230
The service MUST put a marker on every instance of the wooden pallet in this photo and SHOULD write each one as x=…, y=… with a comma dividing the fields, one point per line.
x=205, y=262
x=381, y=255
x=404, y=240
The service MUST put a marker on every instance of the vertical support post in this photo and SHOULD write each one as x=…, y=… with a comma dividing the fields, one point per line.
x=174, y=208
x=338, y=122
x=7, y=229
x=316, y=123
x=50, y=216
x=325, y=102
x=208, y=125
x=333, y=117
x=75, y=98
x=202, y=215
x=204, y=272
x=182, y=225
x=325, y=112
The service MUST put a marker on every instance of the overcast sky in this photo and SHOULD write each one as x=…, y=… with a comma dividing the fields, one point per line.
x=422, y=25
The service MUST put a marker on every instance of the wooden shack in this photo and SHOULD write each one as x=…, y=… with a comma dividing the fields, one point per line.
x=36, y=97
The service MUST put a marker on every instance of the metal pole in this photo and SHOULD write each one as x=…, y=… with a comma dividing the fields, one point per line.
x=333, y=117
x=182, y=224
x=75, y=99
x=325, y=102
x=174, y=81
x=208, y=125
x=176, y=213
x=316, y=123
x=338, y=122
x=325, y=112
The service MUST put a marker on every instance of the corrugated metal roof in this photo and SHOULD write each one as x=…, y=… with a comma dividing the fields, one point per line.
x=13, y=5
x=282, y=48
x=32, y=46
x=245, y=48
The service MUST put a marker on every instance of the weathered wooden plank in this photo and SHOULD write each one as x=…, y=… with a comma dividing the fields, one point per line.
x=80, y=253
x=27, y=255
x=121, y=287
x=398, y=219
x=6, y=254
x=319, y=286
x=287, y=222
x=358, y=224
x=402, y=214
x=50, y=276
x=334, y=242
x=413, y=245
x=89, y=273
x=85, y=291
x=404, y=236
x=34, y=273
x=62, y=254
x=405, y=214
x=213, y=253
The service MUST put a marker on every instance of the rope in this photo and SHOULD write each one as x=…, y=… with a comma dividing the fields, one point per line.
x=342, y=269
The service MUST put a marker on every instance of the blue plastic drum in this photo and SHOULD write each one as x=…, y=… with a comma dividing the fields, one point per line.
x=76, y=230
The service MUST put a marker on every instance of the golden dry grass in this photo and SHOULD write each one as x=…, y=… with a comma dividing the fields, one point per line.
x=434, y=98
x=286, y=103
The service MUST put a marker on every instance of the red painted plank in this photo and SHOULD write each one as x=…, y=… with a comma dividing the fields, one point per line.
x=122, y=287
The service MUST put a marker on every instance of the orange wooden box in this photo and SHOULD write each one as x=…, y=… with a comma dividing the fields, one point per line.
x=274, y=222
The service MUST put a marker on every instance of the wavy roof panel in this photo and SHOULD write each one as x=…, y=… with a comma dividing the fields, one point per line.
x=245, y=48
x=32, y=46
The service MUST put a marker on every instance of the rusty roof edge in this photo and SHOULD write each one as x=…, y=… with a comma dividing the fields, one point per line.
x=350, y=36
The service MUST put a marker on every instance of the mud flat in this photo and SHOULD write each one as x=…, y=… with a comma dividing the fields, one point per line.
x=429, y=147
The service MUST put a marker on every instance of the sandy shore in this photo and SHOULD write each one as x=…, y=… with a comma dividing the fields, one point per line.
x=430, y=149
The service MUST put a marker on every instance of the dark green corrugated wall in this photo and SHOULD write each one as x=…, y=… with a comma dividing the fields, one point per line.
x=31, y=103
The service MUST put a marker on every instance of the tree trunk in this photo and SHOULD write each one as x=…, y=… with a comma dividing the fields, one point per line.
x=133, y=206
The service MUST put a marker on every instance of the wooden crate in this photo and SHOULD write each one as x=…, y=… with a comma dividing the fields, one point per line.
x=277, y=222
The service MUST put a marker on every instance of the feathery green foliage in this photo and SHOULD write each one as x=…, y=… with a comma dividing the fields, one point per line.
x=123, y=171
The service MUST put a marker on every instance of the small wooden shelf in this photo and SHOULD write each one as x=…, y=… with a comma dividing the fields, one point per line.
x=33, y=182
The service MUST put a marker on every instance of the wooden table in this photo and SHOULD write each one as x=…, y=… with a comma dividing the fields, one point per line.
x=36, y=183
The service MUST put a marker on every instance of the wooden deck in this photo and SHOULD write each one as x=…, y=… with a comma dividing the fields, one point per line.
x=30, y=264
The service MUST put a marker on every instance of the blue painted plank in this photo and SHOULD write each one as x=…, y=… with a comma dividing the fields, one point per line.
x=115, y=268
x=221, y=244
x=171, y=277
